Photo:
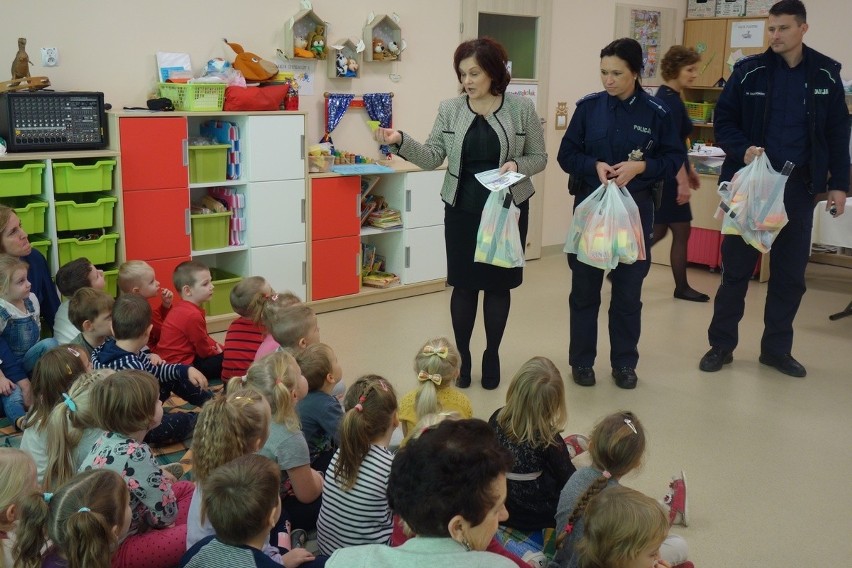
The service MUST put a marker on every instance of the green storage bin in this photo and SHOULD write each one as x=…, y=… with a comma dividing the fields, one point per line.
x=32, y=216
x=24, y=180
x=70, y=177
x=210, y=230
x=98, y=251
x=208, y=163
x=223, y=283
x=111, y=282
x=42, y=246
x=73, y=216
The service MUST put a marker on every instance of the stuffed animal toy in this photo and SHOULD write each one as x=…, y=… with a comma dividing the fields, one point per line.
x=252, y=66
x=21, y=63
x=316, y=41
x=378, y=49
x=393, y=49
x=300, y=48
x=340, y=64
x=351, y=68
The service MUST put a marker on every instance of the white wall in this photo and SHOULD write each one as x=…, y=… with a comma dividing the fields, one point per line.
x=109, y=46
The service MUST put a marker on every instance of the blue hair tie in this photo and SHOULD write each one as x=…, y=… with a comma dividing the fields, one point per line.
x=83, y=510
x=47, y=497
x=69, y=402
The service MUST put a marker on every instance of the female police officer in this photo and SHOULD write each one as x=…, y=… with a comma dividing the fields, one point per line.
x=621, y=134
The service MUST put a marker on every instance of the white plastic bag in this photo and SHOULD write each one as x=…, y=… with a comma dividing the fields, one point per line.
x=752, y=203
x=498, y=241
x=606, y=229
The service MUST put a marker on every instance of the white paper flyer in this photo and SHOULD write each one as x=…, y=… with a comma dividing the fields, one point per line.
x=494, y=181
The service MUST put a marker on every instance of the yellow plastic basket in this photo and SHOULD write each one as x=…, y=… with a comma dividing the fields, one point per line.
x=700, y=112
x=194, y=96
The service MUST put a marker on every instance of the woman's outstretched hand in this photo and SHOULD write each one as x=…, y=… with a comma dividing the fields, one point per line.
x=388, y=136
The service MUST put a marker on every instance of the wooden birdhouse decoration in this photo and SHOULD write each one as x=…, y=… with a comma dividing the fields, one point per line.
x=305, y=36
x=383, y=38
x=344, y=60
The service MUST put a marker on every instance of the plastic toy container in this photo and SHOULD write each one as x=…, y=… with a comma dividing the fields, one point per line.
x=223, y=283
x=98, y=251
x=699, y=112
x=73, y=216
x=194, y=96
x=320, y=164
x=41, y=246
x=208, y=163
x=24, y=180
x=70, y=177
x=210, y=230
x=32, y=216
x=111, y=281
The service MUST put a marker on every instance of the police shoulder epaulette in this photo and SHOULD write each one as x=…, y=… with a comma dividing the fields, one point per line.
x=589, y=97
x=658, y=107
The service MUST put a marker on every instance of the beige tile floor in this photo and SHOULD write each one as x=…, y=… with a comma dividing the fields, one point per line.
x=766, y=455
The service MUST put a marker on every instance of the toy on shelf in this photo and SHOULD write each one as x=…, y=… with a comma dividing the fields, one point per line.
x=253, y=67
x=300, y=48
x=21, y=63
x=345, y=62
x=316, y=41
x=384, y=36
x=304, y=35
x=21, y=80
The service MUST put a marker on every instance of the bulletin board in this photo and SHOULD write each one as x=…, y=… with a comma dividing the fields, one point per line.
x=654, y=28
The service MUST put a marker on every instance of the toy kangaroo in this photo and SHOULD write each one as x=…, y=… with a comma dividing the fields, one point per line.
x=21, y=63
x=252, y=66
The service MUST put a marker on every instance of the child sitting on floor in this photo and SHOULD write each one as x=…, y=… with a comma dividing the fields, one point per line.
x=17, y=481
x=90, y=311
x=269, y=315
x=73, y=276
x=184, y=338
x=246, y=333
x=320, y=411
x=137, y=277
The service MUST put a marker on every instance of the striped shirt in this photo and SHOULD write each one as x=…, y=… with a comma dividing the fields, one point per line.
x=360, y=515
x=241, y=342
x=212, y=553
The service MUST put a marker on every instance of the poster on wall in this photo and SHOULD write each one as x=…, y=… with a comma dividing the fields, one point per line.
x=303, y=71
x=747, y=33
x=645, y=28
x=527, y=90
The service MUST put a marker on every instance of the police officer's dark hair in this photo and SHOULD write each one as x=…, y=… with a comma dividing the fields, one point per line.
x=629, y=50
x=491, y=57
x=794, y=8
x=676, y=58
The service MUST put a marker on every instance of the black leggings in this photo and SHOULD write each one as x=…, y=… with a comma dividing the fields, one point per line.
x=495, y=307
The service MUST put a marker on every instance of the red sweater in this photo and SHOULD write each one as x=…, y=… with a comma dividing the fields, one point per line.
x=184, y=335
x=158, y=315
x=241, y=342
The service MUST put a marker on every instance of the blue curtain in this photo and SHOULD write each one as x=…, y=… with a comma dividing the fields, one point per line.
x=338, y=104
x=380, y=107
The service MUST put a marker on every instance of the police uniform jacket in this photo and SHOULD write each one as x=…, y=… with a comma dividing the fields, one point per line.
x=742, y=114
x=517, y=126
x=607, y=129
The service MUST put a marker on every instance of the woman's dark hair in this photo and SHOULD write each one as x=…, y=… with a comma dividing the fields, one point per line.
x=676, y=58
x=447, y=471
x=491, y=57
x=628, y=50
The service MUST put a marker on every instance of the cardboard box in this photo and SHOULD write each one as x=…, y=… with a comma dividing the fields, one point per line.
x=758, y=7
x=730, y=8
x=701, y=9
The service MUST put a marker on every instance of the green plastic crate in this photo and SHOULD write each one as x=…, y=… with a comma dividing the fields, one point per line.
x=25, y=180
x=69, y=177
x=41, y=246
x=111, y=282
x=208, y=163
x=73, y=216
x=98, y=251
x=223, y=283
x=210, y=230
x=32, y=216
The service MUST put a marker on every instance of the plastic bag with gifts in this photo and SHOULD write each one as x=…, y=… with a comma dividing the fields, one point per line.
x=498, y=241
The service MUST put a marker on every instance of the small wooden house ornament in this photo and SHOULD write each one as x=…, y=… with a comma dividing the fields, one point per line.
x=383, y=38
x=344, y=60
x=305, y=36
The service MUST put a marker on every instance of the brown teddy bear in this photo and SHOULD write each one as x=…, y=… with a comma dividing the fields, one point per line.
x=379, y=49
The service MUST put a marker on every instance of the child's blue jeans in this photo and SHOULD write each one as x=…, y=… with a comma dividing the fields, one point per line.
x=13, y=405
x=35, y=352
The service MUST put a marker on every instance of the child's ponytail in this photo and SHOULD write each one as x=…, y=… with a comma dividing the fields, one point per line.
x=89, y=540
x=437, y=367
x=31, y=533
x=275, y=377
x=370, y=405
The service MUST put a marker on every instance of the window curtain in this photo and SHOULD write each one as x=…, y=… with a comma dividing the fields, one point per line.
x=380, y=107
x=338, y=104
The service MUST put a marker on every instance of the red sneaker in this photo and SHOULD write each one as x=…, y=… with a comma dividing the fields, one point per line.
x=577, y=444
x=676, y=500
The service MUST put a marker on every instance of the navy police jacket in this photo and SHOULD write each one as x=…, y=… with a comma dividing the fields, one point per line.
x=606, y=129
x=742, y=114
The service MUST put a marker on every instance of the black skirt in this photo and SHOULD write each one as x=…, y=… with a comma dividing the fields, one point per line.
x=670, y=211
x=460, y=228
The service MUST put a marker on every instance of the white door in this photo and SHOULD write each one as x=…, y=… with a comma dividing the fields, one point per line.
x=273, y=147
x=275, y=212
x=423, y=204
x=283, y=266
x=523, y=27
x=425, y=256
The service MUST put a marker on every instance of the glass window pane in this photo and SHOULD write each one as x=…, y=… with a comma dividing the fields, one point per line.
x=518, y=36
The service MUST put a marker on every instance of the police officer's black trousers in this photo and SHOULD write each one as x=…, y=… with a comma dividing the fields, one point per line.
x=788, y=259
x=625, y=307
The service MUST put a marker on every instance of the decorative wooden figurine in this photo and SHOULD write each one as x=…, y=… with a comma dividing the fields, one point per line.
x=21, y=64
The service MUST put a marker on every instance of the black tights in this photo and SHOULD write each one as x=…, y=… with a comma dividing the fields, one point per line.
x=680, y=239
x=495, y=308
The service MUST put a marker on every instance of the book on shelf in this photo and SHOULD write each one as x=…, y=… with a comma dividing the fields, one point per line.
x=380, y=279
x=367, y=185
x=386, y=218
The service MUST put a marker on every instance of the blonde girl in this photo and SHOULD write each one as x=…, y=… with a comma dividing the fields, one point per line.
x=127, y=406
x=17, y=480
x=83, y=522
x=72, y=429
x=357, y=476
x=52, y=376
x=279, y=380
x=616, y=448
x=437, y=367
x=229, y=426
x=529, y=427
x=20, y=313
x=269, y=314
x=246, y=333
x=624, y=529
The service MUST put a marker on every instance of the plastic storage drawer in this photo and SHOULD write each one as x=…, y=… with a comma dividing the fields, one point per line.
x=32, y=216
x=73, y=216
x=98, y=251
x=111, y=282
x=210, y=230
x=208, y=164
x=223, y=283
x=25, y=180
x=69, y=177
x=41, y=246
